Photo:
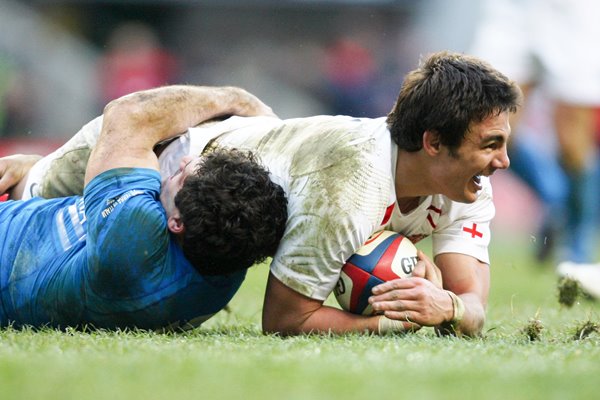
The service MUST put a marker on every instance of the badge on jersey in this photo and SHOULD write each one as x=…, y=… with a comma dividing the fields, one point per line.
x=475, y=231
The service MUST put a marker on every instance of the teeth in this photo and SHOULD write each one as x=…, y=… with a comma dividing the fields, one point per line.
x=477, y=178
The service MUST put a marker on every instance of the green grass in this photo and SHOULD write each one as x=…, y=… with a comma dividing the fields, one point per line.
x=228, y=358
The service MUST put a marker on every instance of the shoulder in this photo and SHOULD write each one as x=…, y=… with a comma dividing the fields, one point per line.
x=118, y=179
x=126, y=223
x=321, y=142
x=134, y=192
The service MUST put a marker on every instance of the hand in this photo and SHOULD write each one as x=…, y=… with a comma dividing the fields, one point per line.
x=249, y=105
x=425, y=268
x=419, y=299
x=14, y=168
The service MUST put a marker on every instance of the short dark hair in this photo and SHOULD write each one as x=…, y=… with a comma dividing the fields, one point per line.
x=446, y=94
x=234, y=215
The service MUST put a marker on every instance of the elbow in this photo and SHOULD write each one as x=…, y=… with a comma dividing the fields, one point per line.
x=270, y=330
x=283, y=324
x=280, y=329
x=478, y=327
x=115, y=105
x=475, y=328
x=470, y=326
x=127, y=108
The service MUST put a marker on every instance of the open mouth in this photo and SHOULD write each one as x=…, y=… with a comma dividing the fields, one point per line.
x=477, y=181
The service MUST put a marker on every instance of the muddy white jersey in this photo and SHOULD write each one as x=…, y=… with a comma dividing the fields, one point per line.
x=338, y=175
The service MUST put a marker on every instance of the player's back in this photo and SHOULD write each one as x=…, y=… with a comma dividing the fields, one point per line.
x=108, y=264
x=296, y=146
x=38, y=240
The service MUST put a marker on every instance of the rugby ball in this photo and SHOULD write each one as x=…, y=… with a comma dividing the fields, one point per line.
x=385, y=256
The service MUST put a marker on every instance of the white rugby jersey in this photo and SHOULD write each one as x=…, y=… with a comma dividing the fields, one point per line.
x=338, y=176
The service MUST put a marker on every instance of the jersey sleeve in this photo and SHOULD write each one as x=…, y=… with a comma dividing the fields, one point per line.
x=61, y=173
x=127, y=234
x=468, y=230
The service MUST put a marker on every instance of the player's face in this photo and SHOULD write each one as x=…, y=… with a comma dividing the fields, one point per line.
x=482, y=152
x=171, y=185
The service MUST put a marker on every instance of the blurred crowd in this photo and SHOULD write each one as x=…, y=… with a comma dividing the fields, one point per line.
x=305, y=59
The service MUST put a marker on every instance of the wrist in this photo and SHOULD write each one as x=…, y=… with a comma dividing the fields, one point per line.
x=458, y=309
x=386, y=326
x=450, y=326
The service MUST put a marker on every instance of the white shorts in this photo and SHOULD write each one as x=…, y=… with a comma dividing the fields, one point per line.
x=550, y=42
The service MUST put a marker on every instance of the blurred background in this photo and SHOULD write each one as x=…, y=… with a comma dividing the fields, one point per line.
x=62, y=60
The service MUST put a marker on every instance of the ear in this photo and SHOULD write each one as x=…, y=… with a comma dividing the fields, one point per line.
x=175, y=224
x=431, y=142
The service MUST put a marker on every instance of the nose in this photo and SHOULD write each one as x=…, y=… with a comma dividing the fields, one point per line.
x=185, y=160
x=502, y=161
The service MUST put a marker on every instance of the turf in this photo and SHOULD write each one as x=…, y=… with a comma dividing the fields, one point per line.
x=228, y=358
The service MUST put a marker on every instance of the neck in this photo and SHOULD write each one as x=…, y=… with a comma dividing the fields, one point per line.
x=407, y=204
x=411, y=180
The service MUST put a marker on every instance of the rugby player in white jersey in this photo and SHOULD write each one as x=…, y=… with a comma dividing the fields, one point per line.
x=422, y=171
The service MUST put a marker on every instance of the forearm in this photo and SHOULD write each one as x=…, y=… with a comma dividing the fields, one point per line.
x=322, y=320
x=134, y=124
x=287, y=312
x=468, y=278
x=166, y=112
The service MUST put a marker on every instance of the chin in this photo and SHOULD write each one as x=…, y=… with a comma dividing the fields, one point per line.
x=471, y=197
x=467, y=198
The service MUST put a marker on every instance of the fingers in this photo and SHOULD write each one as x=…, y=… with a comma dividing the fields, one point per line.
x=4, y=186
x=14, y=168
x=254, y=106
x=420, y=269
x=7, y=178
x=399, y=308
x=394, y=305
x=406, y=316
x=399, y=294
x=423, y=268
x=265, y=110
x=417, y=299
x=427, y=269
x=395, y=284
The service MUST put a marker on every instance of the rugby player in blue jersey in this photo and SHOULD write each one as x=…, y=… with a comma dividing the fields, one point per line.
x=134, y=251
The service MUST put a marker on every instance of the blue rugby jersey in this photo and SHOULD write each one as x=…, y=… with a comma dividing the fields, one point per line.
x=105, y=260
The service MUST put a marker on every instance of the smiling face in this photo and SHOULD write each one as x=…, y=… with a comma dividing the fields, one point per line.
x=482, y=152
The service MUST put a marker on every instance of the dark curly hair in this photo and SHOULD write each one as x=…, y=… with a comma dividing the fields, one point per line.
x=445, y=94
x=234, y=215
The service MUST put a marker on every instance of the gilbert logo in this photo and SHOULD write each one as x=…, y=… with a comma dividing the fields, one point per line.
x=408, y=264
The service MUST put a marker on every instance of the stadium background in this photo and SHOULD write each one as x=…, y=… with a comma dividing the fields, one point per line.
x=61, y=61
x=301, y=57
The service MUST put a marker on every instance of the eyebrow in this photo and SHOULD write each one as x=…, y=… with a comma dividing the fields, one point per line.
x=494, y=138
